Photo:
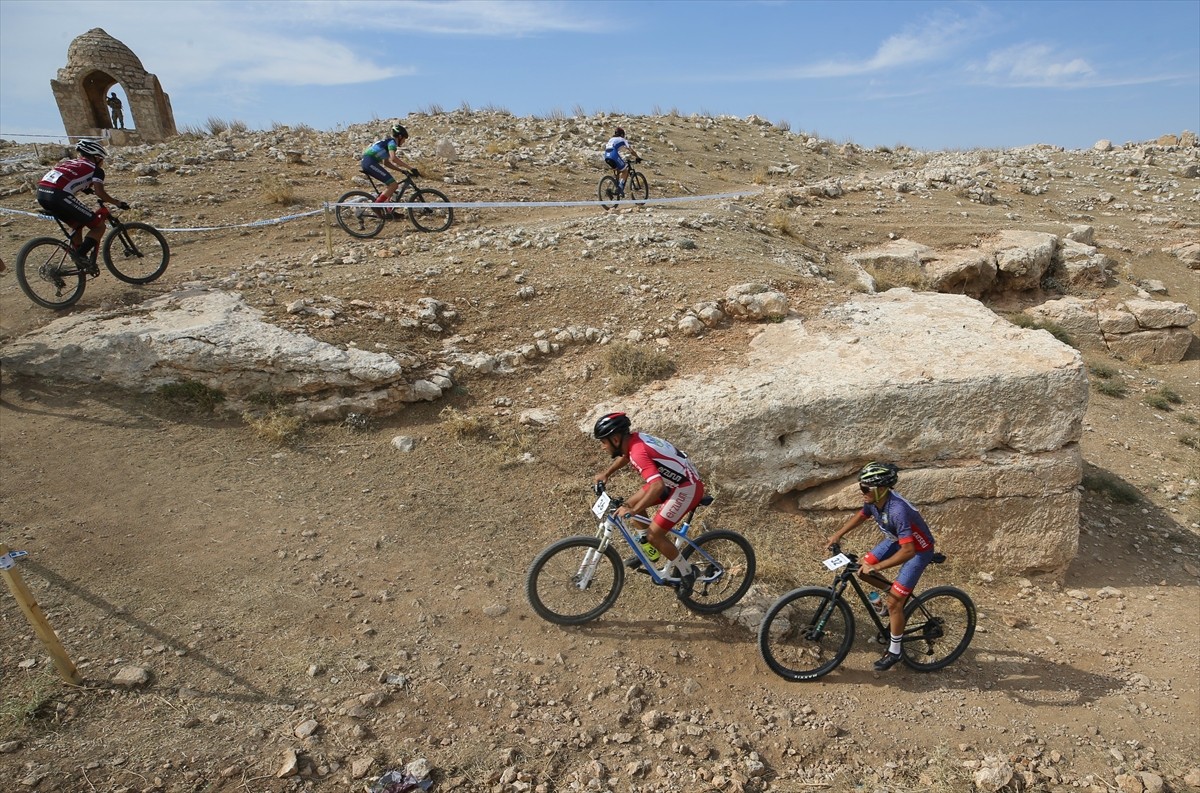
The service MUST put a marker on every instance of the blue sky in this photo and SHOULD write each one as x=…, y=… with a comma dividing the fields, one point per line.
x=931, y=75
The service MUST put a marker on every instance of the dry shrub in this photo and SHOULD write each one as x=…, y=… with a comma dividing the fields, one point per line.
x=629, y=366
x=759, y=175
x=277, y=190
x=238, y=126
x=781, y=222
x=216, y=125
x=464, y=426
x=276, y=426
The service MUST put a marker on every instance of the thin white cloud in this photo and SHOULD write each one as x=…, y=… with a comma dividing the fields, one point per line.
x=1037, y=64
x=933, y=40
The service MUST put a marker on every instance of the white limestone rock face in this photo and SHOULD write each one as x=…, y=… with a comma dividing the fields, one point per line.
x=937, y=383
x=215, y=338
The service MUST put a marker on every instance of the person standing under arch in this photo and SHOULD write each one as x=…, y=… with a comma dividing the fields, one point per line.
x=118, y=114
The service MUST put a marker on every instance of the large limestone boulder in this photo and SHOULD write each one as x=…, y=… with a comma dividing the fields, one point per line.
x=983, y=416
x=216, y=339
x=1144, y=331
x=1022, y=258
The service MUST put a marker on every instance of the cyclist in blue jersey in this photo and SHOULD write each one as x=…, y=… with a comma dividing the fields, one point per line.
x=907, y=543
x=382, y=155
x=613, y=159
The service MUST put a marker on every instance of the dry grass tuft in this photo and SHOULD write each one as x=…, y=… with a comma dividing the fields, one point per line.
x=759, y=175
x=277, y=190
x=464, y=426
x=276, y=426
x=630, y=366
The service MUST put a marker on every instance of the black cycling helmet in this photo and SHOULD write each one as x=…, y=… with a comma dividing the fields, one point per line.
x=610, y=424
x=620, y=133
x=399, y=130
x=91, y=148
x=878, y=475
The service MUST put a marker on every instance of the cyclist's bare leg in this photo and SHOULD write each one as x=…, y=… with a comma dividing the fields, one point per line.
x=622, y=176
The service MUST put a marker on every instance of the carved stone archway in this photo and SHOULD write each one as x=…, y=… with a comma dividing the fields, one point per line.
x=95, y=63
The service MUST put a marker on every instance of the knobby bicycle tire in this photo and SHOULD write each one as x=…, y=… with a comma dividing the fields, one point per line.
x=136, y=253
x=723, y=580
x=48, y=275
x=362, y=222
x=804, y=636
x=941, y=623
x=639, y=188
x=552, y=584
x=608, y=192
x=434, y=218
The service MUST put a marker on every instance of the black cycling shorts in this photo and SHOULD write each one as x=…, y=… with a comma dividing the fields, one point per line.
x=66, y=207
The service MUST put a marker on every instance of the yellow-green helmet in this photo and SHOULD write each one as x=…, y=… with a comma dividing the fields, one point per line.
x=876, y=474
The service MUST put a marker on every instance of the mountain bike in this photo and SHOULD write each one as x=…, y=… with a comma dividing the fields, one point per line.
x=577, y=579
x=807, y=633
x=636, y=186
x=363, y=220
x=52, y=276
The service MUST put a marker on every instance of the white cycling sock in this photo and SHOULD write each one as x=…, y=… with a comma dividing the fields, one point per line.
x=894, y=647
x=682, y=565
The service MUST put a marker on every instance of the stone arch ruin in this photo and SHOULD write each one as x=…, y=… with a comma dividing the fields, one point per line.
x=95, y=63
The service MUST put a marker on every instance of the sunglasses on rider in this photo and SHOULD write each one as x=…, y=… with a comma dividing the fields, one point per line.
x=865, y=489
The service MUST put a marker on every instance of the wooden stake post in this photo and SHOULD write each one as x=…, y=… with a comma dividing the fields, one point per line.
x=33, y=613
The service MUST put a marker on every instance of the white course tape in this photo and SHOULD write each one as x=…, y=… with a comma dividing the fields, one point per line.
x=622, y=202
x=453, y=204
x=267, y=222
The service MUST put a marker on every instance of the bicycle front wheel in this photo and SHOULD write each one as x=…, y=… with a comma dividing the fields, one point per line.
x=433, y=217
x=608, y=192
x=48, y=275
x=572, y=582
x=136, y=253
x=941, y=623
x=724, y=562
x=806, y=634
x=359, y=220
x=639, y=188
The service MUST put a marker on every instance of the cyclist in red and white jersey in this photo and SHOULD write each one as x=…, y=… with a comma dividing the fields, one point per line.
x=672, y=483
x=58, y=190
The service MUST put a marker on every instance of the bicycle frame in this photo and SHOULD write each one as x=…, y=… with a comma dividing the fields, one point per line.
x=604, y=532
x=838, y=588
x=406, y=184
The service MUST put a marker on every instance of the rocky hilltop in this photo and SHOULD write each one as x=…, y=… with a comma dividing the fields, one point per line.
x=253, y=613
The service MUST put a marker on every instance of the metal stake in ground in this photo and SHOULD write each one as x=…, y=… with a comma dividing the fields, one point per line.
x=33, y=613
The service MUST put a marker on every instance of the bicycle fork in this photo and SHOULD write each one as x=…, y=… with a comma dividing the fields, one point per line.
x=591, y=558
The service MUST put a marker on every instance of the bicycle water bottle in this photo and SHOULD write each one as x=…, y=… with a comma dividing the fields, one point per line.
x=651, y=552
x=880, y=604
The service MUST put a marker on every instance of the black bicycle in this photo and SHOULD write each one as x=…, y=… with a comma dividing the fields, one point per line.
x=636, y=186
x=52, y=276
x=807, y=633
x=363, y=220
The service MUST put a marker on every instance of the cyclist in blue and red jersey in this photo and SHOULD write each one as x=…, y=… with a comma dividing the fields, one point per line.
x=671, y=483
x=381, y=155
x=58, y=190
x=907, y=543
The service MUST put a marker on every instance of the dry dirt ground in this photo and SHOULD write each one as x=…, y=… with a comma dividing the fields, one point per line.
x=360, y=607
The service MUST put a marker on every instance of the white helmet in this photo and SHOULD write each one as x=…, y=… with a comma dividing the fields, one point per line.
x=91, y=148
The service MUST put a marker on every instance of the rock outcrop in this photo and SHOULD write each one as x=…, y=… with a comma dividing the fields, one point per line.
x=215, y=339
x=984, y=418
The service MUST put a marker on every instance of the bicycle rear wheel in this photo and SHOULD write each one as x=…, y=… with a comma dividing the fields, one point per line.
x=724, y=562
x=639, y=188
x=608, y=192
x=48, y=275
x=940, y=625
x=806, y=634
x=359, y=221
x=433, y=217
x=136, y=253
x=571, y=582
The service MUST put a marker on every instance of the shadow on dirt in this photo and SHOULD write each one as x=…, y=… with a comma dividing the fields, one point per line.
x=248, y=691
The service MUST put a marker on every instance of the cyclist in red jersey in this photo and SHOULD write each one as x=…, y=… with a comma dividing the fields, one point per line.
x=672, y=484
x=58, y=190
